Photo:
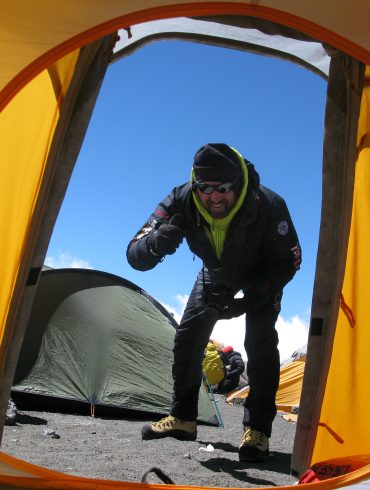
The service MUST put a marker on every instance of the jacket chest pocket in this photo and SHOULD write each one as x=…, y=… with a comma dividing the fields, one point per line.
x=201, y=246
x=245, y=241
x=243, y=253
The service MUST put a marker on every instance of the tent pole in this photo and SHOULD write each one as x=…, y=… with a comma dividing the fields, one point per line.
x=214, y=402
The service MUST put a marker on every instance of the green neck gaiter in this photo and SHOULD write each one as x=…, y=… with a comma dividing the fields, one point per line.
x=218, y=227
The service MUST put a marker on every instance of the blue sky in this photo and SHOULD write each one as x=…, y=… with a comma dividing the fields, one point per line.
x=155, y=109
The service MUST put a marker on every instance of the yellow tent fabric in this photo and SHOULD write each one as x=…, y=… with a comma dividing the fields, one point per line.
x=15, y=473
x=346, y=406
x=33, y=35
x=31, y=117
x=290, y=386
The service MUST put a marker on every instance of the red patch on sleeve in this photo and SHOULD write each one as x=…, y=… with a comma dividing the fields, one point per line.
x=161, y=214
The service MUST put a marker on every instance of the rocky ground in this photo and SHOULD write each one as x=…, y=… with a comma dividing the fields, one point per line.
x=111, y=448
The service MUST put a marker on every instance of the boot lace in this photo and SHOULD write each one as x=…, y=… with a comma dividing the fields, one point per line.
x=252, y=437
x=166, y=422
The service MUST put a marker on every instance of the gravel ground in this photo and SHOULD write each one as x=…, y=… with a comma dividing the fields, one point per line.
x=111, y=448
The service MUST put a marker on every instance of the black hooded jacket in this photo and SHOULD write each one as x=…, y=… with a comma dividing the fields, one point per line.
x=236, y=367
x=261, y=246
x=236, y=363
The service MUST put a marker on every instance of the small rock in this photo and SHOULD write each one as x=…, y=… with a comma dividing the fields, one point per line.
x=208, y=448
x=186, y=456
x=11, y=413
x=50, y=433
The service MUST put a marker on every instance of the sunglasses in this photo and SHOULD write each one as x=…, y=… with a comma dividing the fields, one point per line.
x=208, y=189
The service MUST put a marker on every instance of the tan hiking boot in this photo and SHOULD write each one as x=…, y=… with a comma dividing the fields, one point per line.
x=171, y=427
x=254, y=446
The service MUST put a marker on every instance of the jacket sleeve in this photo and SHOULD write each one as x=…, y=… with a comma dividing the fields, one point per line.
x=237, y=365
x=139, y=253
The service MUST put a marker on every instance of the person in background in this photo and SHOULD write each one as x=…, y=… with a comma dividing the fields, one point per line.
x=243, y=233
x=234, y=368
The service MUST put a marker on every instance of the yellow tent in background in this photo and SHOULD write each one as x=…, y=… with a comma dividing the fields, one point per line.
x=290, y=387
x=288, y=395
x=53, y=58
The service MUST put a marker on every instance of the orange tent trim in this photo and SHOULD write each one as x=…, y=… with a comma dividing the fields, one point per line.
x=171, y=11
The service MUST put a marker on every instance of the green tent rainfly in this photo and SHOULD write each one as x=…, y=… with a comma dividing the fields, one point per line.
x=98, y=339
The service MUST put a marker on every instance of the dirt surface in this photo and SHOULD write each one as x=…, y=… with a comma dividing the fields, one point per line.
x=112, y=449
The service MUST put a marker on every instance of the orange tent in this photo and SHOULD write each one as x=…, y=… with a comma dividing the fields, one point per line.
x=53, y=61
x=288, y=395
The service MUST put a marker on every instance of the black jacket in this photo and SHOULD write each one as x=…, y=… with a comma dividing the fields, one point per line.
x=236, y=365
x=261, y=245
x=235, y=368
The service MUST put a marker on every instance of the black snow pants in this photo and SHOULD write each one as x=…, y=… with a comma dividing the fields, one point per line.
x=263, y=364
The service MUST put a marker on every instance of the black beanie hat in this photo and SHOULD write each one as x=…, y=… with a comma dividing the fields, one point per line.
x=216, y=162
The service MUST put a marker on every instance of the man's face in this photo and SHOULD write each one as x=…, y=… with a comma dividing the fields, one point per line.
x=218, y=204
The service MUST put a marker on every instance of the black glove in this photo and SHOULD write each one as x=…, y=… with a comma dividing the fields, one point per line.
x=232, y=308
x=165, y=240
x=257, y=295
x=227, y=306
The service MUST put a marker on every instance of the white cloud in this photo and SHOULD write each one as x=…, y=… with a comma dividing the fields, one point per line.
x=293, y=333
x=67, y=260
x=179, y=310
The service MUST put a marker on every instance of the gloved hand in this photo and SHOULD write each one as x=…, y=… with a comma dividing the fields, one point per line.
x=257, y=295
x=232, y=308
x=166, y=239
x=227, y=306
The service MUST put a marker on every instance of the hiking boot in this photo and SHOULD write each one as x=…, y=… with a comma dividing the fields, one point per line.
x=254, y=446
x=171, y=427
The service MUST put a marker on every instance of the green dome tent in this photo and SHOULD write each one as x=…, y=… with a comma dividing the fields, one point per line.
x=97, y=340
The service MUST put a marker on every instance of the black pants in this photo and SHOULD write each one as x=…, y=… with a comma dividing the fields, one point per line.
x=228, y=384
x=263, y=366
